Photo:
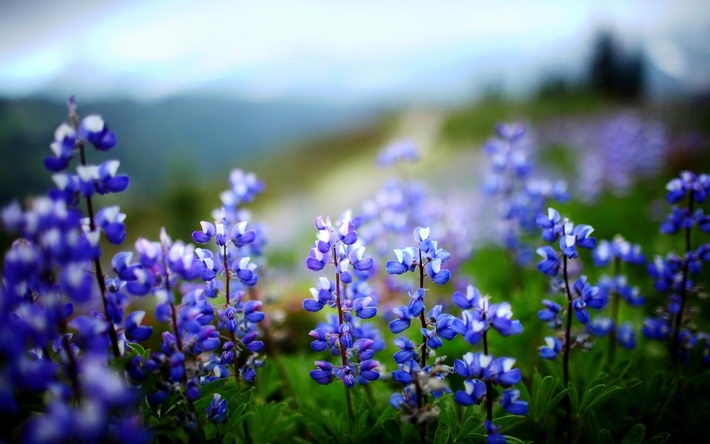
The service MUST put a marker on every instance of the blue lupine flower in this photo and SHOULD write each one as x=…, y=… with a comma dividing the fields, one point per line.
x=407, y=350
x=590, y=294
x=94, y=130
x=363, y=309
x=573, y=236
x=473, y=365
x=204, y=236
x=134, y=331
x=500, y=316
x=404, y=319
x=494, y=435
x=396, y=152
x=322, y=294
x=657, y=328
x=478, y=319
x=512, y=404
x=240, y=236
x=406, y=261
x=407, y=400
x=550, y=313
x=217, y=411
x=688, y=182
x=500, y=371
x=626, y=335
x=468, y=300
x=473, y=392
x=620, y=248
x=580, y=310
x=246, y=271
x=550, y=265
x=110, y=220
x=367, y=369
x=600, y=326
x=551, y=349
x=243, y=188
x=678, y=219
x=436, y=273
x=552, y=225
x=62, y=148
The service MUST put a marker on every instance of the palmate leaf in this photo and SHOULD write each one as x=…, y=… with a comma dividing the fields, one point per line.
x=635, y=434
x=604, y=437
x=594, y=396
x=514, y=440
x=545, y=396
x=269, y=421
x=442, y=435
x=507, y=422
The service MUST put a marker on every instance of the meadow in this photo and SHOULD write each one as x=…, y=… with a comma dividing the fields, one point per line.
x=508, y=282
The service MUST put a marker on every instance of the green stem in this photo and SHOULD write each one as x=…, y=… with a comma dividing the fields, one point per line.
x=565, y=355
x=675, y=342
x=343, y=355
x=227, y=290
x=97, y=266
x=489, y=386
x=615, y=300
x=422, y=316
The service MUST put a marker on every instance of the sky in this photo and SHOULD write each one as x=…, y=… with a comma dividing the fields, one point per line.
x=333, y=50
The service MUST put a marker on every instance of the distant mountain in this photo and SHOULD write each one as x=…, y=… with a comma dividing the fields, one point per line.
x=202, y=136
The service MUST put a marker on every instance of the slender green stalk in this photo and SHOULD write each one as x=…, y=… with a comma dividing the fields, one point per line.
x=227, y=292
x=343, y=356
x=675, y=342
x=565, y=353
x=615, y=301
x=100, y=279
x=422, y=316
x=425, y=353
x=489, y=386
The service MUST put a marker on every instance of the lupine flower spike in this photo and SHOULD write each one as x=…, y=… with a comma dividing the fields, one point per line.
x=580, y=296
x=343, y=334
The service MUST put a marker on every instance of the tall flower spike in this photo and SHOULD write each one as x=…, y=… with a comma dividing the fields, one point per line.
x=673, y=274
x=413, y=369
x=346, y=337
x=568, y=237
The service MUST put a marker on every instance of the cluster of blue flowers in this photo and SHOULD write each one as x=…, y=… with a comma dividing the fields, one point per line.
x=354, y=342
x=420, y=379
x=389, y=217
x=65, y=323
x=61, y=320
x=581, y=294
x=480, y=371
x=612, y=151
x=72, y=367
x=673, y=273
x=616, y=288
x=483, y=371
x=518, y=194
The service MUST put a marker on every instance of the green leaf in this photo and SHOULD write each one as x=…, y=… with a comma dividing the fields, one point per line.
x=135, y=349
x=596, y=395
x=508, y=421
x=659, y=438
x=442, y=435
x=268, y=421
x=545, y=396
x=604, y=437
x=635, y=435
x=573, y=396
x=514, y=440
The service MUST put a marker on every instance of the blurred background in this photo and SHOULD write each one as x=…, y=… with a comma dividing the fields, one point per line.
x=306, y=93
